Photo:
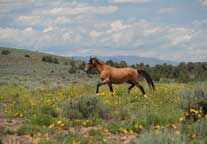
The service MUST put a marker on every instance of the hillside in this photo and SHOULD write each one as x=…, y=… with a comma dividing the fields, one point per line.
x=130, y=59
x=26, y=68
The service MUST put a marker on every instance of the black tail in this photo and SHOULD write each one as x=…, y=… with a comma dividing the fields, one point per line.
x=147, y=78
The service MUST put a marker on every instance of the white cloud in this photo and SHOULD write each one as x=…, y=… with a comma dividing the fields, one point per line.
x=200, y=22
x=75, y=9
x=130, y=1
x=181, y=38
x=64, y=14
x=166, y=10
x=74, y=28
x=48, y=29
x=204, y=2
x=31, y=20
x=118, y=26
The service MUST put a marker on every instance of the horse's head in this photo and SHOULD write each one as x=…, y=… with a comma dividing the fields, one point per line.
x=91, y=64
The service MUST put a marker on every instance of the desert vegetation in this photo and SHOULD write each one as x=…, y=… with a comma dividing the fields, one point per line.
x=48, y=103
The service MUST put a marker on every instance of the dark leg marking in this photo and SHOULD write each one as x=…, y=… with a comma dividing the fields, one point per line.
x=141, y=88
x=110, y=87
x=97, y=87
x=129, y=89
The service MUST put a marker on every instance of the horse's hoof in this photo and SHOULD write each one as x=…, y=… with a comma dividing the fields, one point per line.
x=145, y=96
x=98, y=94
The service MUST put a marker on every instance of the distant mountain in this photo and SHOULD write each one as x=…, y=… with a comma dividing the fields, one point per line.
x=129, y=59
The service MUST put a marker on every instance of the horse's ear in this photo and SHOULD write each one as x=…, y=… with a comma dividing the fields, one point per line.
x=90, y=57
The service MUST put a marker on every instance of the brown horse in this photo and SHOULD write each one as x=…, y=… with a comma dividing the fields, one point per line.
x=111, y=75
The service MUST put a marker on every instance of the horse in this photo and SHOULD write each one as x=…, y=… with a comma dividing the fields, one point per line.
x=110, y=75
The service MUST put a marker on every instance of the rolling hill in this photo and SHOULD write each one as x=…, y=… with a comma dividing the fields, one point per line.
x=26, y=68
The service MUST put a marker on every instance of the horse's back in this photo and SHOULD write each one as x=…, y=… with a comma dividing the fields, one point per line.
x=123, y=75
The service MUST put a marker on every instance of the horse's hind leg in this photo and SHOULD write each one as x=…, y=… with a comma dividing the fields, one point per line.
x=110, y=87
x=129, y=89
x=141, y=88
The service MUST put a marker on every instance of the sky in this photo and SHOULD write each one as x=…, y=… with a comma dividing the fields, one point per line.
x=173, y=30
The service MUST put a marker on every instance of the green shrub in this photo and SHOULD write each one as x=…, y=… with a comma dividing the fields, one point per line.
x=5, y=52
x=72, y=70
x=41, y=119
x=194, y=102
x=50, y=59
x=27, y=56
x=66, y=63
x=85, y=107
x=199, y=129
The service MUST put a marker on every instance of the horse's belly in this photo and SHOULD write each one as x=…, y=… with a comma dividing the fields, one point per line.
x=123, y=76
x=119, y=80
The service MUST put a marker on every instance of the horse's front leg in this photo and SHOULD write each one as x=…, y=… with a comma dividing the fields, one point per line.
x=110, y=87
x=106, y=81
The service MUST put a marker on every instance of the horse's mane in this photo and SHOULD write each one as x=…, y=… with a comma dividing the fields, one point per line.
x=98, y=61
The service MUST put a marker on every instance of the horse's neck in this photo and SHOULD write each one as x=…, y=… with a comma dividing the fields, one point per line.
x=99, y=68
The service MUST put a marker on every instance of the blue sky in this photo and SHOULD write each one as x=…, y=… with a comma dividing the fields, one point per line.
x=165, y=29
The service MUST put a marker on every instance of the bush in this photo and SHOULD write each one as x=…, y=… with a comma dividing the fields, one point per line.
x=194, y=102
x=66, y=63
x=49, y=110
x=41, y=119
x=27, y=56
x=44, y=109
x=72, y=70
x=5, y=52
x=85, y=107
x=198, y=129
x=50, y=59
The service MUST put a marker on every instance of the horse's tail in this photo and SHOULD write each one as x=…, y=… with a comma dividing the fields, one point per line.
x=147, y=77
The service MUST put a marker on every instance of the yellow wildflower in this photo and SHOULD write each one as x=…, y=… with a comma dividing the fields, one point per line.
x=131, y=132
x=206, y=116
x=75, y=142
x=39, y=134
x=173, y=126
x=105, y=130
x=157, y=126
x=46, y=137
x=35, y=141
x=84, y=123
x=181, y=119
x=194, y=111
x=177, y=132
x=178, y=98
x=104, y=140
x=107, y=101
x=193, y=136
x=60, y=123
x=51, y=125
x=139, y=126
x=122, y=130
x=103, y=94
x=157, y=132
